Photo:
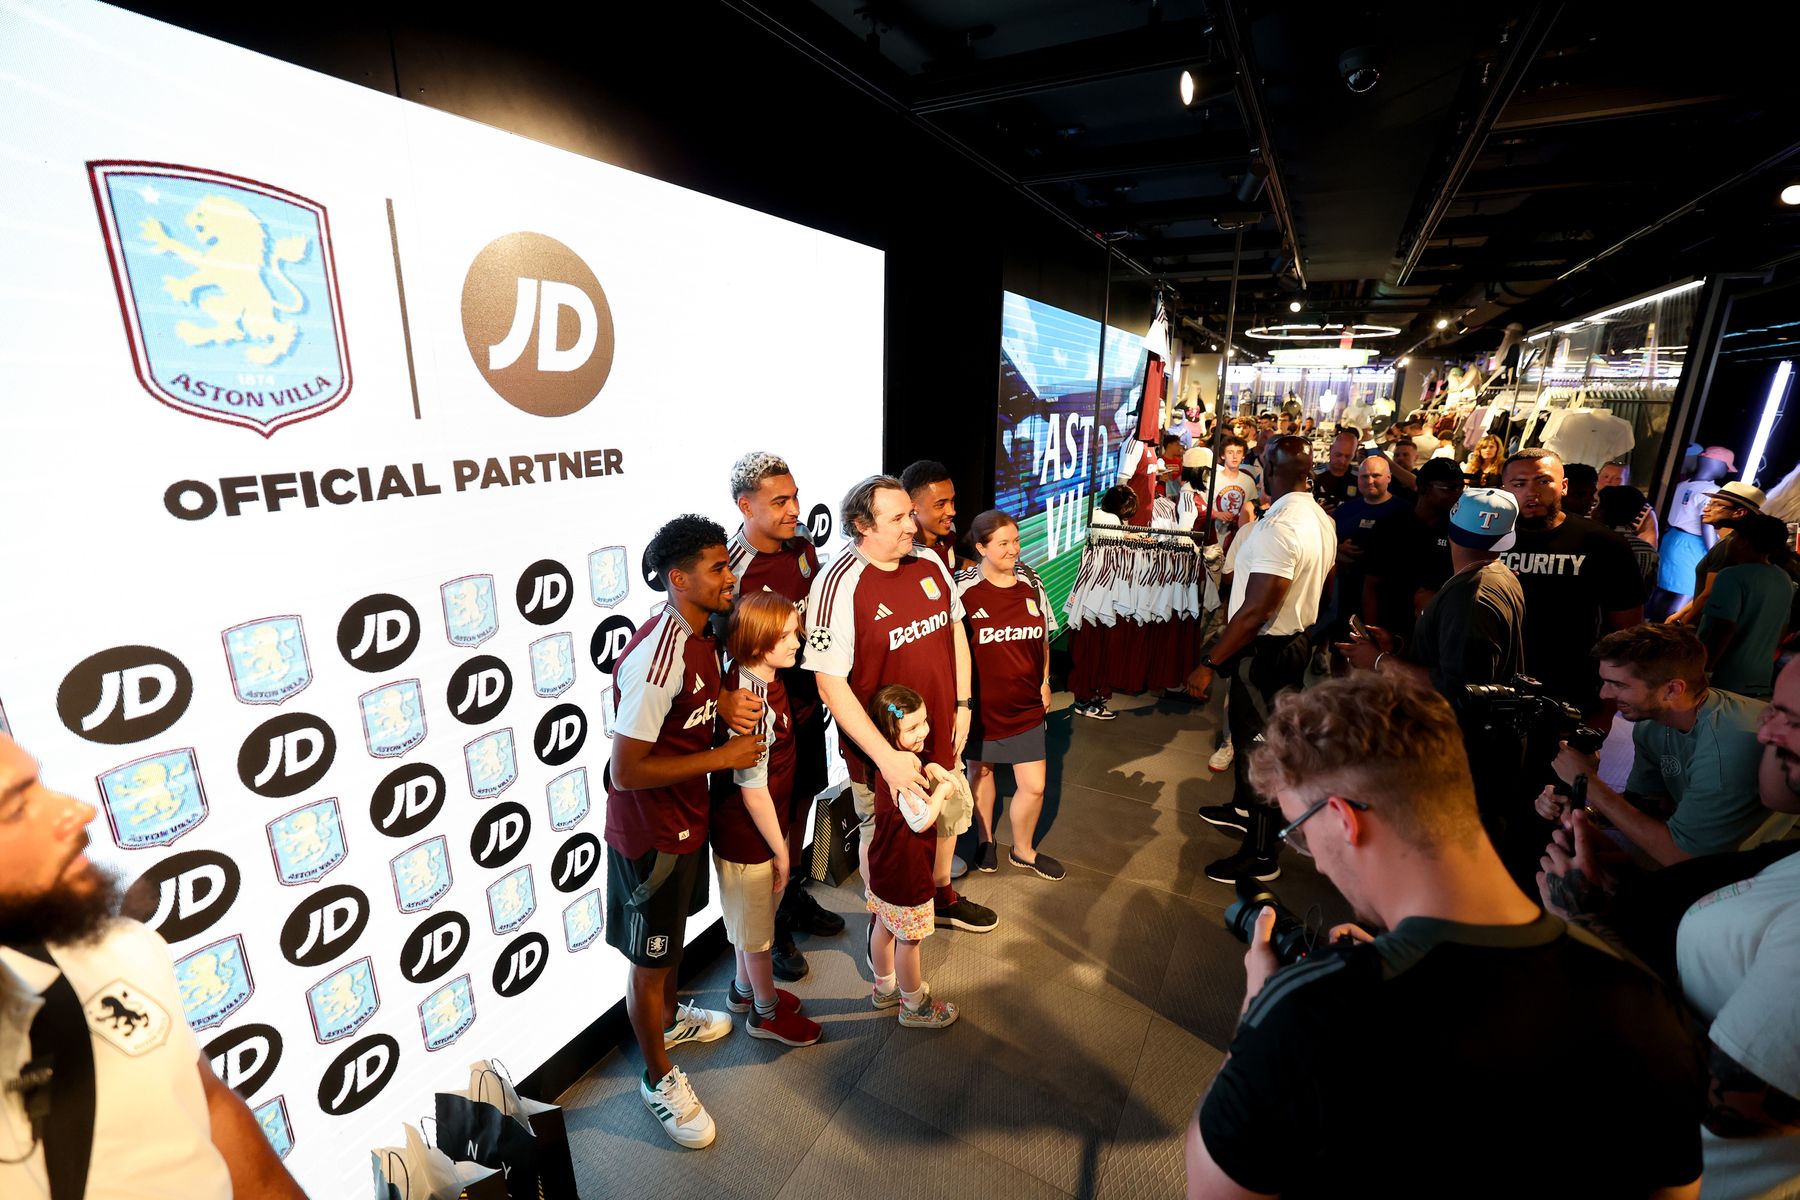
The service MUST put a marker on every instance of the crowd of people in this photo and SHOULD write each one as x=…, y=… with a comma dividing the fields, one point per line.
x=1411, y=649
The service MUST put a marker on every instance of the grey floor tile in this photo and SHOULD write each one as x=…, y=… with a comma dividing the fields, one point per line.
x=1145, y=1158
x=1033, y=1073
x=873, y=1149
x=1132, y=840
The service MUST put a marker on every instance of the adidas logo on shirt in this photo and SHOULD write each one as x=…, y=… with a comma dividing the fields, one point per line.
x=699, y=685
x=882, y=610
x=979, y=614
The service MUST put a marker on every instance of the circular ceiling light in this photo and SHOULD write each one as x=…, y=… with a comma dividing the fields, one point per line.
x=1187, y=88
x=1320, y=333
x=1443, y=323
x=1293, y=306
x=1791, y=194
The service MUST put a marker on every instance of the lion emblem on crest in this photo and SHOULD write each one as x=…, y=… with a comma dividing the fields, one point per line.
x=232, y=263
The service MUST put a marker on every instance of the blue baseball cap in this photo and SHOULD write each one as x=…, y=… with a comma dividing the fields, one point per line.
x=1484, y=518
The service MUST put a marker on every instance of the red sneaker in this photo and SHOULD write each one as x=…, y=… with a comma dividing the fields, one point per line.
x=785, y=1001
x=788, y=1028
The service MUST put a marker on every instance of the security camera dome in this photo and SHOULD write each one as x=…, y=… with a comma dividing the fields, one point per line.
x=1361, y=68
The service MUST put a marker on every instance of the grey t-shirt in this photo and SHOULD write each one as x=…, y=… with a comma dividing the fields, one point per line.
x=1473, y=631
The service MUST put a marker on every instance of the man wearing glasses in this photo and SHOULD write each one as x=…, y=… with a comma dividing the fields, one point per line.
x=1435, y=1059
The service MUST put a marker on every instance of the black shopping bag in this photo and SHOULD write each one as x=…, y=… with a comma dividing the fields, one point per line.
x=835, y=832
x=490, y=1123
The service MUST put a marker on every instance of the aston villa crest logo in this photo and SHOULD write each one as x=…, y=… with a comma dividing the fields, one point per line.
x=272, y=1118
x=393, y=718
x=214, y=982
x=447, y=1013
x=151, y=801
x=581, y=922
x=553, y=664
x=229, y=292
x=568, y=797
x=268, y=659
x=512, y=900
x=343, y=1002
x=471, y=615
x=421, y=875
x=492, y=764
x=608, y=576
x=308, y=842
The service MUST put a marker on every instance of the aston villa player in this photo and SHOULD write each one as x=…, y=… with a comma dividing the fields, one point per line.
x=768, y=553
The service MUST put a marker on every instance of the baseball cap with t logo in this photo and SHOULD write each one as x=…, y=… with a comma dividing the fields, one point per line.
x=1483, y=519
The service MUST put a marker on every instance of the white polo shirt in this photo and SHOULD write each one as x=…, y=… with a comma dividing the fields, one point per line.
x=1296, y=541
x=152, y=1133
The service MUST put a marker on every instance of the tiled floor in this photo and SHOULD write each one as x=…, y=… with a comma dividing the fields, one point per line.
x=1092, y=1018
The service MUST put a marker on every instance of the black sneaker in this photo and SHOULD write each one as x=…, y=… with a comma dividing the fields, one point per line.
x=807, y=915
x=1096, y=709
x=1225, y=817
x=787, y=960
x=1043, y=864
x=967, y=915
x=987, y=859
x=1243, y=865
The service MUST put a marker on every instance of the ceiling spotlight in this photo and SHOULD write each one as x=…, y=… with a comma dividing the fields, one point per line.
x=1791, y=194
x=1251, y=183
x=1293, y=306
x=1361, y=68
x=1443, y=323
x=1403, y=362
x=1206, y=82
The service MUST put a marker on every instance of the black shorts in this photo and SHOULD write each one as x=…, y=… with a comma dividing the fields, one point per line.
x=651, y=933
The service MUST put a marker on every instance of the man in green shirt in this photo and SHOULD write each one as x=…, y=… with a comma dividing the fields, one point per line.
x=1693, y=784
x=1747, y=609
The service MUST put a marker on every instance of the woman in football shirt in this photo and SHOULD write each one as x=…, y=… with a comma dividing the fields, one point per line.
x=1009, y=622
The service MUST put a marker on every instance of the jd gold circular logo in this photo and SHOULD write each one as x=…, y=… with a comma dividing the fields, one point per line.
x=537, y=324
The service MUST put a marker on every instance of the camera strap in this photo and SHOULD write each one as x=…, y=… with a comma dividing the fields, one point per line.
x=59, y=1034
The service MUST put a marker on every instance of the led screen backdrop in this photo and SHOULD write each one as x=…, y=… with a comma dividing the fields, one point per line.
x=335, y=430
x=1051, y=445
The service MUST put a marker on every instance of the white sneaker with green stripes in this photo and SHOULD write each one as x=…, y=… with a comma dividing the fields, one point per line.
x=673, y=1103
x=695, y=1024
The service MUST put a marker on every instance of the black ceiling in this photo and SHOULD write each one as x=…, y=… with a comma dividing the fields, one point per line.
x=1515, y=162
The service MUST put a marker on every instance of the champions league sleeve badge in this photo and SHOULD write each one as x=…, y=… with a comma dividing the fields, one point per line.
x=268, y=658
x=214, y=982
x=229, y=292
x=272, y=1119
x=393, y=718
x=609, y=576
x=343, y=1002
x=152, y=801
x=471, y=613
x=582, y=921
x=308, y=842
x=553, y=664
x=492, y=764
x=421, y=875
x=447, y=1013
x=568, y=797
x=512, y=900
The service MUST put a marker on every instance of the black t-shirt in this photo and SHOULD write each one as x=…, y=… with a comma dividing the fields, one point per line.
x=1405, y=554
x=1573, y=575
x=1473, y=631
x=1332, y=490
x=1438, y=1062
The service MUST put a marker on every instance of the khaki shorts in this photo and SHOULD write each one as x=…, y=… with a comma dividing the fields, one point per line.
x=864, y=800
x=746, y=893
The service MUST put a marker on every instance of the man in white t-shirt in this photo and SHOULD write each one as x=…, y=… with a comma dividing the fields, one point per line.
x=1283, y=562
x=128, y=1106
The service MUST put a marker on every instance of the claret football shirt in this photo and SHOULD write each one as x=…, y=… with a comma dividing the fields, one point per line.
x=875, y=627
x=666, y=691
x=1008, y=629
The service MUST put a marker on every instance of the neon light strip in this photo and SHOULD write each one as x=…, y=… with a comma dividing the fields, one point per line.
x=1771, y=409
x=1626, y=307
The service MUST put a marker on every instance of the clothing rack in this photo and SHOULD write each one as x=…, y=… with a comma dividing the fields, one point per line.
x=1134, y=610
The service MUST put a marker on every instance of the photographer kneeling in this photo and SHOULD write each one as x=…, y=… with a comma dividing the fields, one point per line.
x=1425, y=1061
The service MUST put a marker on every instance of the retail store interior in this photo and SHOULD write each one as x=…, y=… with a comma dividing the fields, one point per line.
x=1104, y=227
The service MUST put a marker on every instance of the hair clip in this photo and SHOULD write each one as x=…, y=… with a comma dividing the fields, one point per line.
x=895, y=709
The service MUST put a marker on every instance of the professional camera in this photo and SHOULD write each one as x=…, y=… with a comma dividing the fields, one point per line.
x=1540, y=721
x=1290, y=939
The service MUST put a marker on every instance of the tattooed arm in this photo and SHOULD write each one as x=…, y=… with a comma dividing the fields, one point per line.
x=1740, y=1105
